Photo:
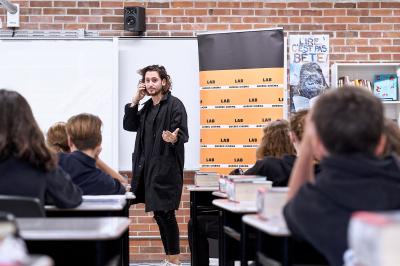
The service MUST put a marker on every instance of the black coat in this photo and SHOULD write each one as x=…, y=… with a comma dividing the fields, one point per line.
x=19, y=178
x=320, y=212
x=159, y=186
x=84, y=173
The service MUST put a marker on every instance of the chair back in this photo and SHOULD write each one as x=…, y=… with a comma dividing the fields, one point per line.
x=21, y=206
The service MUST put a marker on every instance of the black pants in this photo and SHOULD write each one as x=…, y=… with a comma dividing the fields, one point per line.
x=207, y=228
x=169, y=231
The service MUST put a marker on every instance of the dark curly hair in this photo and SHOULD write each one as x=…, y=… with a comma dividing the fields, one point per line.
x=20, y=136
x=162, y=72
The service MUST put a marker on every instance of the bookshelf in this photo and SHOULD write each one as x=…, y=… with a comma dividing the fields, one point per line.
x=367, y=71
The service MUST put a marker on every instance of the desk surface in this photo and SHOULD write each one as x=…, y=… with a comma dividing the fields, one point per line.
x=220, y=194
x=236, y=207
x=274, y=225
x=104, y=228
x=97, y=203
x=196, y=188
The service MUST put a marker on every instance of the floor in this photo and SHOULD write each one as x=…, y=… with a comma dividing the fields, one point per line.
x=213, y=262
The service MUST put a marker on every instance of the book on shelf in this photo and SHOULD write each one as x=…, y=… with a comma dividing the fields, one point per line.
x=206, y=179
x=362, y=83
x=386, y=87
x=374, y=238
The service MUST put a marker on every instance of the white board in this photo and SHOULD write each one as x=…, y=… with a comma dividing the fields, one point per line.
x=180, y=58
x=61, y=78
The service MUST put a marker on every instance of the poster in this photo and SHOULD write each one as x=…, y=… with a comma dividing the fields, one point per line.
x=308, y=68
x=241, y=90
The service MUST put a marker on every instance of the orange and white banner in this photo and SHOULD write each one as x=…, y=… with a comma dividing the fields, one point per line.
x=242, y=88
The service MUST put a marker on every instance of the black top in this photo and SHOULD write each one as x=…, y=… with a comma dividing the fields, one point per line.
x=320, y=212
x=163, y=177
x=19, y=178
x=149, y=135
x=275, y=169
x=87, y=176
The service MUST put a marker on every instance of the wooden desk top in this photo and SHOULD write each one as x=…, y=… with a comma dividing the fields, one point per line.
x=274, y=225
x=236, y=207
x=104, y=228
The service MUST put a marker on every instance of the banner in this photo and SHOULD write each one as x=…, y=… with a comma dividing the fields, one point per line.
x=309, y=69
x=242, y=81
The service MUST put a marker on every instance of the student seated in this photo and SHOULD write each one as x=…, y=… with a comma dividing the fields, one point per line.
x=27, y=167
x=84, y=138
x=275, y=155
x=345, y=131
x=57, y=140
x=392, y=133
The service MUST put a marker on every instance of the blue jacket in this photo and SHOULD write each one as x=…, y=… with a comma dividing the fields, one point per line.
x=84, y=173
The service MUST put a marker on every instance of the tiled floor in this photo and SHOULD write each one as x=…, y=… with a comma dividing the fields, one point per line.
x=213, y=262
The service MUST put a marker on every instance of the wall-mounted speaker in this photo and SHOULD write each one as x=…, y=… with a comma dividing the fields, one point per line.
x=134, y=19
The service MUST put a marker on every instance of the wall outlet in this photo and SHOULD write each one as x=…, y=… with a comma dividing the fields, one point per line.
x=13, y=19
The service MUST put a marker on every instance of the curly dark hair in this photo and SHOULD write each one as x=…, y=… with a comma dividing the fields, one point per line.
x=20, y=136
x=162, y=72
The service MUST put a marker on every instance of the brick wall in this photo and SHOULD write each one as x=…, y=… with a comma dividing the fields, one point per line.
x=359, y=31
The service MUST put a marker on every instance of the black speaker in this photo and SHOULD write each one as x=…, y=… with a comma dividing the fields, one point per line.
x=134, y=19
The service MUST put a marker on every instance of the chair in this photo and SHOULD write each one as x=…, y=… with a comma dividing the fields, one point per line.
x=21, y=206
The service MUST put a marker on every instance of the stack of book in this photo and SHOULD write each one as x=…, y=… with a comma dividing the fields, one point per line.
x=375, y=238
x=206, y=179
x=245, y=187
x=270, y=201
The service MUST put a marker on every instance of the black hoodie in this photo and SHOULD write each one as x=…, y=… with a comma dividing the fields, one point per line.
x=320, y=212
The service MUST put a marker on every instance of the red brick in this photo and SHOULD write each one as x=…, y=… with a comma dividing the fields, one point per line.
x=142, y=4
x=75, y=26
x=29, y=26
x=183, y=20
x=370, y=20
x=335, y=27
x=206, y=19
x=283, y=20
x=99, y=26
x=181, y=4
x=217, y=27
x=65, y=19
x=395, y=49
x=261, y=26
x=114, y=19
x=298, y=5
x=311, y=13
x=41, y=3
x=346, y=34
x=54, y=11
x=40, y=19
x=335, y=12
x=323, y=19
x=346, y=19
x=371, y=34
x=27, y=11
x=76, y=11
x=89, y=19
x=396, y=57
x=228, y=4
x=358, y=12
x=381, y=42
x=391, y=34
x=172, y=12
x=170, y=26
x=88, y=3
x=345, y=5
x=274, y=5
x=251, y=4
x=205, y=4
x=115, y=4
x=52, y=26
x=196, y=12
x=219, y=12
x=322, y=5
x=288, y=12
x=181, y=33
x=354, y=57
x=311, y=27
x=391, y=20
x=290, y=27
x=153, y=12
x=253, y=20
x=230, y=19
x=367, y=49
x=390, y=5
x=160, y=19
x=157, y=5
x=300, y=20
x=265, y=12
x=237, y=27
x=357, y=41
x=334, y=57
x=368, y=5
x=117, y=26
x=382, y=27
x=344, y=49
x=101, y=11
x=336, y=41
x=194, y=27
x=358, y=27
x=64, y=3
x=380, y=12
x=243, y=12
x=380, y=57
